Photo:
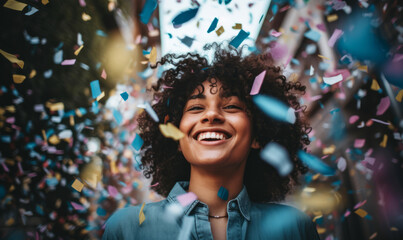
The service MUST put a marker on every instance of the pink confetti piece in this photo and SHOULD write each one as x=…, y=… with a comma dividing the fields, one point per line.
x=347, y=213
x=82, y=3
x=5, y=167
x=10, y=120
x=77, y=206
x=112, y=191
x=353, y=119
x=383, y=106
x=257, y=83
x=278, y=51
x=317, y=97
x=359, y=143
x=321, y=27
x=360, y=204
x=186, y=199
x=335, y=36
x=20, y=168
x=274, y=33
x=341, y=164
x=379, y=121
x=369, y=160
x=156, y=184
x=69, y=62
x=103, y=75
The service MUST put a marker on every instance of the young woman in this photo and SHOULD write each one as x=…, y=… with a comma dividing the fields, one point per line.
x=218, y=159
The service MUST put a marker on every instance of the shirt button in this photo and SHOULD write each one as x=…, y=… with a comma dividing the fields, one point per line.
x=233, y=205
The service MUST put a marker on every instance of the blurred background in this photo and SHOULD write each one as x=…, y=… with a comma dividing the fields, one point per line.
x=74, y=76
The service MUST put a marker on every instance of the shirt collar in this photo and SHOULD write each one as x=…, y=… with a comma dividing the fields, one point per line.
x=181, y=187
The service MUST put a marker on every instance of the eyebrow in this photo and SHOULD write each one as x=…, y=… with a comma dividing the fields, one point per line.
x=197, y=96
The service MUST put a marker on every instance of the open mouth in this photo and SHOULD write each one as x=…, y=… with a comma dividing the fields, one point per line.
x=211, y=136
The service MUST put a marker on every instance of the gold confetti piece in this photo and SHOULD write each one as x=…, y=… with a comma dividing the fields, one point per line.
x=329, y=150
x=10, y=108
x=18, y=78
x=321, y=230
x=316, y=176
x=373, y=235
x=32, y=74
x=323, y=57
x=363, y=68
x=55, y=106
x=12, y=4
x=237, y=26
x=399, y=96
x=76, y=52
x=100, y=96
x=332, y=18
x=384, y=141
x=44, y=135
x=44, y=2
x=360, y=212
x=375, y=85
x=153, y=56
x=12, y=58
x=86, y=17
x=142, y=217
x=77, y=185
x=394, y=229
x=171, y=131
x=54, y=140
x=72, y=120
x=219, y=31
x=10, y=222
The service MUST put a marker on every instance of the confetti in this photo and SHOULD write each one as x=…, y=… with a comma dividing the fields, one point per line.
x=77, y=206
x=151, y=112
x=213, y=25
x=384, y=141
x=85, y=17
x=237, y=26
x=118, y=117
x=275, y=108
x=219, y=31
x=137, y=142
x=315, y=163
x=359, y=143
x=171, y=131
x=277, y=156
x=223, y=193
x=184, y=16
x=68, y=62
x=153, y=56
x=353, y=119
x=257, y=83
x=383, y=106
x=142, y=217
x=341, y=164
x=77, y=185
x=242, y=35
x=186, y=199
x=124, y=96
x=103, y=74
x=95, y=89
x=12, y=58
x=275, y=33
x=113, y=192
x=76, y=52
x=360, y=212
x=332, y=18
x=18, y=78
x=333, y=80
x=399, y=96
x=335, y=36
x=148, y=10
x=311, y=71
x=313, y=35
x=15, y=5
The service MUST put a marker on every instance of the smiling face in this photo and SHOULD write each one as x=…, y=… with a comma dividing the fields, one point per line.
x=217, y=128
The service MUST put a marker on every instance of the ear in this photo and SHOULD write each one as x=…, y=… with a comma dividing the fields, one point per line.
x=255, y=144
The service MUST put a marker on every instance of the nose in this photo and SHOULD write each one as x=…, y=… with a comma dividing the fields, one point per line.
x=212, y=115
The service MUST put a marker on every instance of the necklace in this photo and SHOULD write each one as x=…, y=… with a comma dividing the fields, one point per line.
x=217, y=217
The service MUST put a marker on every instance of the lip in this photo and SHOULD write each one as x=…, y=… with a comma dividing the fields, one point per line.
x=220, y=130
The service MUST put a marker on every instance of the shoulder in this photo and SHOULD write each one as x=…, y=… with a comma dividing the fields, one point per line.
x=282, y=220
x=124, y=223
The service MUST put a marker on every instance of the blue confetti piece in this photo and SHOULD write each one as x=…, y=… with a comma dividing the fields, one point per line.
x=223, y=193
x=58, y=57
x=31, y=11
x=124, y=95
x=148, y=10
x=146, y=52
x=101, y=33
x=83, y=111
x=84, y=66
x=274, y=9
x=315, y=163
x=295, y=61
x=277, y=156
x=169, y=35
x=151, y=112
x=137, y=142
x=213, y=25
x=242, y=35
x=146, y=73
x=101, y=212
x=48, y=73
x=188, y=41
x=118, y=117
x=274, y=108
x=95, y=89
x=184, y=16
x=95, y=108
x=313, y=35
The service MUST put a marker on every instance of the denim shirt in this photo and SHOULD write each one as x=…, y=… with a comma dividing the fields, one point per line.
x=246, y=220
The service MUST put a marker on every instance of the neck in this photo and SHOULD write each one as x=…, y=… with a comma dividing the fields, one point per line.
x=206, y=183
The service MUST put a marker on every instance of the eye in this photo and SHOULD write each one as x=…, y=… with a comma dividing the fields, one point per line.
x=232, y=107
x=194, y=108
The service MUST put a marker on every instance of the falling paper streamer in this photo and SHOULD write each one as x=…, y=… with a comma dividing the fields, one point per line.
x=335, y=36
x=315, y=163
x=275, y=108
x=242, y=35
x=186, y=199
x=383, y=106
x=95, y=89
x=184, y=16
x=213, y=25
x=333, y=80
x=137, y=142
x=277, y=156
x=12, y=58
x=223, y=193
x=142, y=217
x=171, y=131
x=148, y=10
x=151, y=112
x=18, y=78
x=341, y=164
x=257, y=83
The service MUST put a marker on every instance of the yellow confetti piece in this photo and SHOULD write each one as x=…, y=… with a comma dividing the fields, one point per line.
x=112, y=165
x=12, y=4
x=55, y=106
x=32, y=74
x=142, y=217
x=321, y=230
x=219, y=31
x=77, y=185
x=18, y=78
x=12, y=58
x=76, y=52
x=384, y=141
x=394, y=229
x=153, y=56
x=44, y=2
x=323, y=57
x=86, y=17
x=10, y=108
x=10, y=222
x=332, y=18
x=54, y=140
x=316, y=176
x=375, y=85
x=363, y=68
x=100, y=96
x=237, y=26
x=399, y=96
x=360, y=212
x=171, y=131
x=329, y=150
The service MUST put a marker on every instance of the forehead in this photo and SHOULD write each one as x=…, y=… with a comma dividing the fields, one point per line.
x=212, y=86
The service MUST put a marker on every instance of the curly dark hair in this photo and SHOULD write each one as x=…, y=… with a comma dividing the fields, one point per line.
x=166, y=165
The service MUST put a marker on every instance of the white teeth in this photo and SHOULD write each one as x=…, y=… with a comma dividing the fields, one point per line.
x=210, y=135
